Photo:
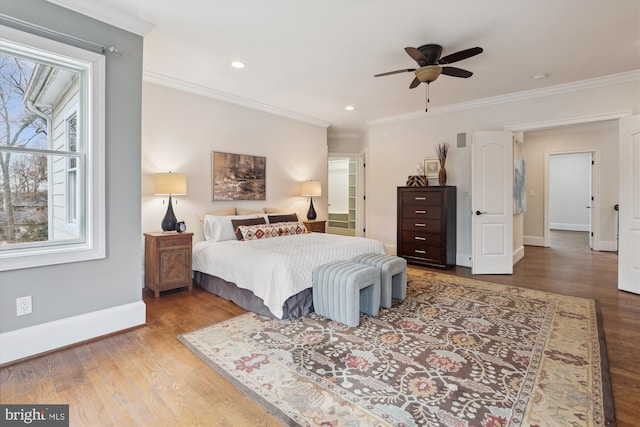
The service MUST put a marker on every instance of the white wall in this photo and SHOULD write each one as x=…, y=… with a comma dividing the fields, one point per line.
x=180, y=130
x=569, y=191
x=394, y=146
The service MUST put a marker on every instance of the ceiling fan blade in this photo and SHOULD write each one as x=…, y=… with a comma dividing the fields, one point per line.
x=416, y=55
x=459, y=56
x=406, y=70
x=456, y=72
x=414, y=83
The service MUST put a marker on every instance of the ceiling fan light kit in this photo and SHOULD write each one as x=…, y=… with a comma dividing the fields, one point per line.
x=429, y=61
x=428, y=73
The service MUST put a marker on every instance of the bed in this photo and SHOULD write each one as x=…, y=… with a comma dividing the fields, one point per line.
x=271, y=276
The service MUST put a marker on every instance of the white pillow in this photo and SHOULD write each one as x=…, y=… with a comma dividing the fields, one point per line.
x=219, y=228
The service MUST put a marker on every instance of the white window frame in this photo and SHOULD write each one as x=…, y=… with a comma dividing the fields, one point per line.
x=71, y=194
x=91, y=116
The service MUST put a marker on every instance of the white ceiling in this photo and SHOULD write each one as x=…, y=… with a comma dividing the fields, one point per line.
x=310, y=58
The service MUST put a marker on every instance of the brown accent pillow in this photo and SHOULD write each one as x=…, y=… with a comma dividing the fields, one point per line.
x=249, y=221
x=283, y=218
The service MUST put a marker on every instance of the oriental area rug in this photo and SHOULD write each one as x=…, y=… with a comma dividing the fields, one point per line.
x=455, y=352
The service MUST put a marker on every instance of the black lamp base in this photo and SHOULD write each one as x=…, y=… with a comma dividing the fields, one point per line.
x=311, y=214
x=170, y=220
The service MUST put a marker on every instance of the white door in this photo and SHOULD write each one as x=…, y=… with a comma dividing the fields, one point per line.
x=492, y=203
x=629, y=211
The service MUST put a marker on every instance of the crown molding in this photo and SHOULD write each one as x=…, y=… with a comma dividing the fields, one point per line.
x=182, y=85
x=344, y=135
x=97, y=10
x=613, y=79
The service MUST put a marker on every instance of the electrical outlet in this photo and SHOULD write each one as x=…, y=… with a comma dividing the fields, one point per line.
x=23, y=306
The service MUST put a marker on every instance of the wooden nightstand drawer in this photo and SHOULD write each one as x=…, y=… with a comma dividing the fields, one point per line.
x=175, y=241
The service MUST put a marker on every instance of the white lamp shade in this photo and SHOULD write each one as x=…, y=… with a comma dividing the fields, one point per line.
x=169, y=183
x=311, y=189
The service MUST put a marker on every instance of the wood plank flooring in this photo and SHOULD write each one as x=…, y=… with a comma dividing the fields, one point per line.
x=146, y=377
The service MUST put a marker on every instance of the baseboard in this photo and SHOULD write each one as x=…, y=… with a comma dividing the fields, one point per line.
x=518, y=254
x=607, y=245
x=33, y=340
x=568, y=227
x=533, y=241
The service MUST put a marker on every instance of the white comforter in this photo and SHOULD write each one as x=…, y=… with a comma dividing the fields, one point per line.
x=276, y=268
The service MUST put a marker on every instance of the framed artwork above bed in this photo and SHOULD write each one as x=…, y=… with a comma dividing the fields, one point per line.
x=238, y=176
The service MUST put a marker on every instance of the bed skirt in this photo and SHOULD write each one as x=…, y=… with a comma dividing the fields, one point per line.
x=298, y=305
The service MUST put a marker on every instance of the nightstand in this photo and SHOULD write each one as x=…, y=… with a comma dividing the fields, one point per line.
x=315, y=225
x=167, y=261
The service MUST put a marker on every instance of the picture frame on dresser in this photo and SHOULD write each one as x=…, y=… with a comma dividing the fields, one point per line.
x=431, y=167
x=426, y=233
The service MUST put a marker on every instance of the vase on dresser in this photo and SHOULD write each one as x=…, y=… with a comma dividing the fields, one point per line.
x=442, y=176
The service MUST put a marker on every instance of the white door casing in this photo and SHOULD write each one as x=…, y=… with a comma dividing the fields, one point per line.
x=492, y=202
x=629, y=206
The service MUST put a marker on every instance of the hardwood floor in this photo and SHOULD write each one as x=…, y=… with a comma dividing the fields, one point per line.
x=146, y=377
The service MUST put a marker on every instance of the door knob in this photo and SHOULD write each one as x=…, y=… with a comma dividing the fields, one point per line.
x=479, y=213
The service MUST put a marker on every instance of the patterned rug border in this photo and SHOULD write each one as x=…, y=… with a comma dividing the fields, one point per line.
x=607, y=394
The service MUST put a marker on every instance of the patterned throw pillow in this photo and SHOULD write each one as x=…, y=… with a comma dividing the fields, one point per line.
x=249, y=221
x=255, y=232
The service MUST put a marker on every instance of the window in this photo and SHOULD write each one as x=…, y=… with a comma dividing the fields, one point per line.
x=51, y=152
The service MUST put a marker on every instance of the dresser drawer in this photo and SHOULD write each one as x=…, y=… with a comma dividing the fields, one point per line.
x=422, y=253
x=421, y=198
x=424, y=239
x=421, y=225
x=422, y=212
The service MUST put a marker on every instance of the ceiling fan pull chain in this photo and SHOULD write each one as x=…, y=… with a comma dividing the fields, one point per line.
x=427, y=107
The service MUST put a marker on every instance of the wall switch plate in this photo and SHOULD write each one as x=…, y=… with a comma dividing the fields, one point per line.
x=23, y=306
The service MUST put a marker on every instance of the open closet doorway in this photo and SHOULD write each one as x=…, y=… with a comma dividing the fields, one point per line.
x=342, y=194
x=571, y=201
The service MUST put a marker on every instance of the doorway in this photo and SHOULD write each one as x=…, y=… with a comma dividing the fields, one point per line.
x=342, y=183
x=571, y=200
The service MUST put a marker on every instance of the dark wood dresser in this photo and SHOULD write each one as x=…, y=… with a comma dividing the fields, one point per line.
x=427, y=225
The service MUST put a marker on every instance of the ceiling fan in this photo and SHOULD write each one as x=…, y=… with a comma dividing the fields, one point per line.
x=430, y=62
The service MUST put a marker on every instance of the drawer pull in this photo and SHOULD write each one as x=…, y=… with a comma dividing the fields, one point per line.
x=421, y=212
x=420, y=238
x=419, y=251
x=420, y=225
x=419, y=198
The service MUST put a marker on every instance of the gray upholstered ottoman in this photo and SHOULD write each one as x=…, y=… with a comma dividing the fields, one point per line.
x=393, y=276
x=342, y=289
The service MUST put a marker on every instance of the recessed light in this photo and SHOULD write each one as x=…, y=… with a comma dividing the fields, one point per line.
x=349, y=108
x=539, y=76
x=237, y=64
